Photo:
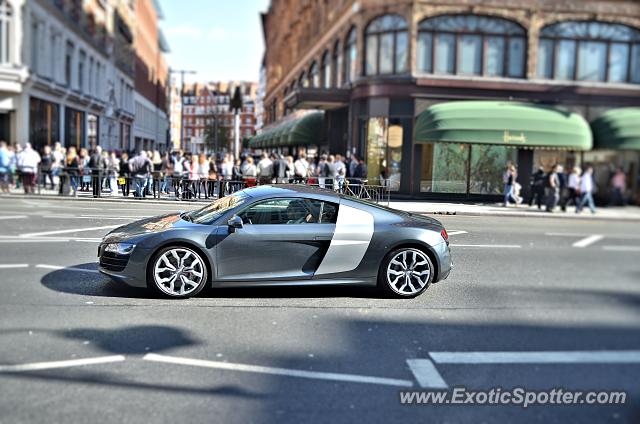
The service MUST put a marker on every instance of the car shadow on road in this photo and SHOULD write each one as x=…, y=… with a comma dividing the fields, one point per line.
x=90, y=283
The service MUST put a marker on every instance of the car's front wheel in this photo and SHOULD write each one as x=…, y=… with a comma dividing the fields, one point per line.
x=406, y=272
x=178, y=272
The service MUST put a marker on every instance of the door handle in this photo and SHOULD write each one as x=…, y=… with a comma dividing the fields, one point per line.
x=322, y=238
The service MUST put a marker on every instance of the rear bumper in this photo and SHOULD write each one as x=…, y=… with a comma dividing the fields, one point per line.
x=445, y=260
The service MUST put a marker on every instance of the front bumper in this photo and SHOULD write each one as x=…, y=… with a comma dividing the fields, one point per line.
x=130, y=269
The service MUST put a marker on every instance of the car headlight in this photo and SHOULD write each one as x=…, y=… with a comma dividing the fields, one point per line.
x=120, y=248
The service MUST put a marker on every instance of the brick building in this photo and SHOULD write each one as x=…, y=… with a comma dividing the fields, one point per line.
x=208, y=120
x=151, y=127
x=399, y=82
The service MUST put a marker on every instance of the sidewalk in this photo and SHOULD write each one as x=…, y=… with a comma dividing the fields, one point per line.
x=496, y=209
x=626, y=213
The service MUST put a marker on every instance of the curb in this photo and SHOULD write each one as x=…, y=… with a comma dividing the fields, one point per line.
x=568, y=216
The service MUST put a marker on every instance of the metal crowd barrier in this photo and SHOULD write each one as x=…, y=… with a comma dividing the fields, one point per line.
x=97, y=183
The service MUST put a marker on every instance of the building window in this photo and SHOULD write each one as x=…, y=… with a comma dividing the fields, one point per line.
x=589, y=51
x=471, y=45
x=350, y=57
x=6, y=14
x=303, y=81
x=326, y=69
x=337, y=65
x=74, y=128
x=81, y=60
x=35, y=50
x=386, y=46
x=68, y=63
x=314, y=75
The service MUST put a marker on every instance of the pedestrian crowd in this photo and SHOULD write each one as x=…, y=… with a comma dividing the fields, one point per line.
x=559, y=188
x=146, y=173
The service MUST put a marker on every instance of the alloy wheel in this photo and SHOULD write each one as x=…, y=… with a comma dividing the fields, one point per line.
x=408, y=272
x=179, y=272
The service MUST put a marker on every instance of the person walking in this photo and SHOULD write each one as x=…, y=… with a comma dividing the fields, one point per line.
x=57, y=166
x=552, y=190
x=5, y=172
x=619, y=185
x=301, y=168
x=280, y=168
x=28, y=162
x=265, y=170
x=72, y=163
x=573, y=187
x=113, y=169
x=140, y=168
x=124, y=174
x=97, y=166
x=508, y=179
x=46, y=166
x=536, y=184
x=322, y=171
x=332, y=173
x=586, y=191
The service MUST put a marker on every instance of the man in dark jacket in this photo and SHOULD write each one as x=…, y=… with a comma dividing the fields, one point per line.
x=98, y=165
x=140, y=168
x=279, y=168
x=537, y=187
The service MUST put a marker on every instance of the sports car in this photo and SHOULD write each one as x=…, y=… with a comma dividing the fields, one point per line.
x=279, y=235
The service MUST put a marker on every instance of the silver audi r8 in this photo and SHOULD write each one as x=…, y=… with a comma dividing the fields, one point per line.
x=280, y=235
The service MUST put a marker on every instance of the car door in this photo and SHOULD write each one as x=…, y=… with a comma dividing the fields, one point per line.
x=281, y=239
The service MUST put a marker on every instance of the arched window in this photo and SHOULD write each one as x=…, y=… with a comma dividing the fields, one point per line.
x=337, y=65
x=589, y=51
x=350, y=56
x=314, y=75
x=386, y=46
x=326, y=69
x=6, y=16
x=303, y=81
x=471, y=45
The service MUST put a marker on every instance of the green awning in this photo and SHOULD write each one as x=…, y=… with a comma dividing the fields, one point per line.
x=304, y=131
x=503, y=123
x=308, y=130
x=617, y=129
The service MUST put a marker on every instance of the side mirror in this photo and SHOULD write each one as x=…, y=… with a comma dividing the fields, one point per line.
x=234, y=223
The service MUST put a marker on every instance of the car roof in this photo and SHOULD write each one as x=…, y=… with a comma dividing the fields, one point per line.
x=291, y=190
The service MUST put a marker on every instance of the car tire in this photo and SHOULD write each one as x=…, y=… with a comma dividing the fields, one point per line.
x=405, y=272
x=177, y=272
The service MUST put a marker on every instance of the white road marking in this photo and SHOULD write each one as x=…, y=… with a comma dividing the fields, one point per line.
x=456, y=232
x=541, y=357
x=622, y=248
x=426, y=374
x=38, y=366
x=64, y=268
x=351, y=378
x=120, y=218
x=615, y=236
x=497, y=246
x=72, y=230
x=588, y=241
x=11, y=266
x=32, y=240
x=12, y=217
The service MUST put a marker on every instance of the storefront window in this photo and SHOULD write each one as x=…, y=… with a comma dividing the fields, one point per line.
x=384, y=151
x=444, y=168
x=44, y=127
x=74, y=128
x=488, y=163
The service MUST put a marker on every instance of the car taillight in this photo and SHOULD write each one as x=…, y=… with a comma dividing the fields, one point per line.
x=444, y=235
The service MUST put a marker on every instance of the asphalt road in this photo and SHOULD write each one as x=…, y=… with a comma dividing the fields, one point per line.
x=542, y=288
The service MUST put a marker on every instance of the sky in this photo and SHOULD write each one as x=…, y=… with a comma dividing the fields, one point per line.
x=219, y=39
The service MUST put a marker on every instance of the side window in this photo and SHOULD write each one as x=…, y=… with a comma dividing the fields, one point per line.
x=283, y=212
x=329, y=213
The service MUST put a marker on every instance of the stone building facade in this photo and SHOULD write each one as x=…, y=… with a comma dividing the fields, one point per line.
x=376, y=64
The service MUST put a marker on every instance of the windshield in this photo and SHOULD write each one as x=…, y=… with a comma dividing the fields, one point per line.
x=216, y=209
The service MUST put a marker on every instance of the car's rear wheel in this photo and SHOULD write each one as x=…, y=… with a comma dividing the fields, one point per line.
x=178, y=272
x=406, y=272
